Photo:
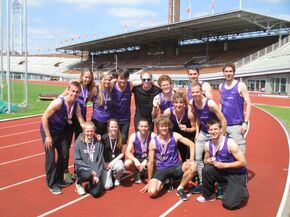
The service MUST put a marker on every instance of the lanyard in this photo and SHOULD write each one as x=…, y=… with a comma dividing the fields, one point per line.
x=91, y=150
x=179, y=121
x=144, y=143
x=69, y=111
x=84, y=93
x=113, y=146
x=163, y=147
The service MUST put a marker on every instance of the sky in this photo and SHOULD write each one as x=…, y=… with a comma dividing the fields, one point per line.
x=55, y=23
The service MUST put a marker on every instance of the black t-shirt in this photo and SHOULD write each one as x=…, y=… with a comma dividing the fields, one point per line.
x=107, y=148
x=144, y=100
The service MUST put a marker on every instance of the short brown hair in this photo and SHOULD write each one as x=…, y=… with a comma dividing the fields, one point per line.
x=164, y=78
x=232, y=65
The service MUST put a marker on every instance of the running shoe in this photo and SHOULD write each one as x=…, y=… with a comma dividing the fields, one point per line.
x=138, y=178
x=202, y=199
x=181, y=194
x=197, y=189
x=117, y=183
x=55, y=190
x=80, y=190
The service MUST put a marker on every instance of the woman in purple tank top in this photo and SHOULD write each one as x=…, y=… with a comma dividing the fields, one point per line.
x=102, y=103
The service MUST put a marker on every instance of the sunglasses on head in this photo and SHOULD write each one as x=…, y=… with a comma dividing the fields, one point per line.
x=146, y=79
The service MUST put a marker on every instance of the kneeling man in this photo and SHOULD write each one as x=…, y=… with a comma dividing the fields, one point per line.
x=163, y=151
x=224, y=163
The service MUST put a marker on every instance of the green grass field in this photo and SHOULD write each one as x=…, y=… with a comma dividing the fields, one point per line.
x=280, y=112
x=35, y=106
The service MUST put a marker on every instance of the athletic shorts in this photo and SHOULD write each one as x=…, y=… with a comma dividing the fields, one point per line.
x=163, y=174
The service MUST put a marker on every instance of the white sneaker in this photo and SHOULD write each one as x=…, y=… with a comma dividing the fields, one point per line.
x=117, y=183
x=201, y=199
x=80, y=190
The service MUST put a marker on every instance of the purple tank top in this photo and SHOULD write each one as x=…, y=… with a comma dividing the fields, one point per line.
x=82, y=101
x=59, y=119
x=121, y=102
x=138, y=146
x=103, y=112
x=203, y=115
x=232, y=105
x=164, y=104
x=171, y=158
x=226, y=157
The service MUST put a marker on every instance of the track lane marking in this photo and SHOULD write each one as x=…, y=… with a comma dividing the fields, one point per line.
x=17, y=144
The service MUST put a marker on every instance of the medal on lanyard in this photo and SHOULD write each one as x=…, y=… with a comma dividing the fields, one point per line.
x=179, y=120
x=69, y=112
x=144, y=146
x=85, y=94
x=91, y=150
x=113, y=147
x=106, y=99
x=163, y=150
x=215, y=150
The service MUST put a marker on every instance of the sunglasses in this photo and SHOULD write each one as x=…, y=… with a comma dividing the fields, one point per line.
x=146, y=79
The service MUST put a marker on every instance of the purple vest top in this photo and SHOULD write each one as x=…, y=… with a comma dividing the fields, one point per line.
x=103, y=112
x=137, y=145
x=232, y=105
x=226, y=157
x=203, y=115
x=58, y=120
x=171, y=158
x=121, y=103
x=81, y=101
x=164, y=104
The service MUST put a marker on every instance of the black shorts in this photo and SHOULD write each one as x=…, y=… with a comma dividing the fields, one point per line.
x=163, y=174
x=124, y=129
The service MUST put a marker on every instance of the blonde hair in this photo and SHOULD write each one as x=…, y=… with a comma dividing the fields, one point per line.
x=87, y=124
x=91, y=85
x=179, y=96
x=101, y=88
x=119, y=137
x=162, y=119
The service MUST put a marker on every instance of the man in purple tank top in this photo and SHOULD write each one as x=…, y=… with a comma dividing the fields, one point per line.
x=52, y=130
x=137, y=150
x=163, y=152
x=233, y=96
x=193, y=74
x=225, y=163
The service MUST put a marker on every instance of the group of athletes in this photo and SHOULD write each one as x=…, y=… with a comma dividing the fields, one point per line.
x=194, y=136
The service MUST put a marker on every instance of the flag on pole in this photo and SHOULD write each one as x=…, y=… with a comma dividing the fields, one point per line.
x=188, y=10
x=212, y=7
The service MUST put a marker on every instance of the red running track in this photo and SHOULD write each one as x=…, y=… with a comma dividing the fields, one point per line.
x=23, y=191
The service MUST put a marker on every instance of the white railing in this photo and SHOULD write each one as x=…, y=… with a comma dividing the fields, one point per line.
x=262, y=52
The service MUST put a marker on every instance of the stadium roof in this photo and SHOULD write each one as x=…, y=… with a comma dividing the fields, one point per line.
x=219, y=25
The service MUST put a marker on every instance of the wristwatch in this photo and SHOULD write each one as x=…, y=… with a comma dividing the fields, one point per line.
x=246, y=122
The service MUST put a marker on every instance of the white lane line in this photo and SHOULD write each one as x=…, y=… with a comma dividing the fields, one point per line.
x=173, y=207
x=283, y=203
x=17, y=144
x=72, y=202
x=63, y=206
x=25, y=181
x=20, y=183
x=23, y=158
x=15, y=134
x=19, y=125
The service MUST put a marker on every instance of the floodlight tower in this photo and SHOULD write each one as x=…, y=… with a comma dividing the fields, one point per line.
x=17, y=27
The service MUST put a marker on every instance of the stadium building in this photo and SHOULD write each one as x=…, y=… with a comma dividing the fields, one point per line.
x=258, y=44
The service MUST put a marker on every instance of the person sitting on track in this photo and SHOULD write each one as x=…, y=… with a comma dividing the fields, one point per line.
x=137, y=150
x=52, y=130
x=88, y=161
x=113, y=155
x=164, y=151
x=224, y=163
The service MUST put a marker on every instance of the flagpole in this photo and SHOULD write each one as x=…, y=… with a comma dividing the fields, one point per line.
x=8, y=7
x=212, y=7
x=26, y=59
x=240, y=4
x=1, y=29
